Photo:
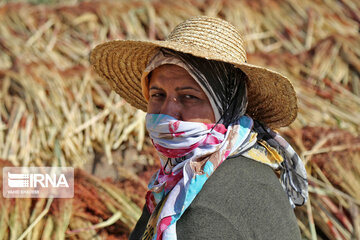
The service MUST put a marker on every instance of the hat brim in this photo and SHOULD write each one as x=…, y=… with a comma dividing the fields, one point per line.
x=271, y=96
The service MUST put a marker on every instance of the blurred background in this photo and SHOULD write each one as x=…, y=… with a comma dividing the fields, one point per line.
x=55, y=111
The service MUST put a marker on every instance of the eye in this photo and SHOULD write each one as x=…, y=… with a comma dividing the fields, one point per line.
x=157, y=95
x=189, y=97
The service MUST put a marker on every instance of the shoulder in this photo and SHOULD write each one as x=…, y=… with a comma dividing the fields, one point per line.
x=245, y=196
x=242, y=180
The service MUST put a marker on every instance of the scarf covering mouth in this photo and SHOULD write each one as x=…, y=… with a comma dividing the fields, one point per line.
x=191, y=151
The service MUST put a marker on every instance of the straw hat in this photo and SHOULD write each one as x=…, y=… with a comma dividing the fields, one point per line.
x=271, y=96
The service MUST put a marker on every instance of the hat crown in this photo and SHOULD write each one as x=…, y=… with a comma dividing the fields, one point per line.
x=218, y=38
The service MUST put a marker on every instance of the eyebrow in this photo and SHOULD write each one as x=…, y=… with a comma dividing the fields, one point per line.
x=177, y=89
x=155, y=88
x=186, y=88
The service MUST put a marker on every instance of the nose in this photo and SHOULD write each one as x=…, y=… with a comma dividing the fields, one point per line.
x=171, y=106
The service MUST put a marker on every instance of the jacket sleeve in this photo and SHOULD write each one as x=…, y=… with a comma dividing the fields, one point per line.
x=205, y=223
x=243, y=199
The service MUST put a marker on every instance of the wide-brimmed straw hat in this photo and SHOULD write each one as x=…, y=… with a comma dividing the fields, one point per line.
x=271, y=96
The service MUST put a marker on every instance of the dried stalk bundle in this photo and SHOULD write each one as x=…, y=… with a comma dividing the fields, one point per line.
x=333, y=159
x=99, y=209
x=57, y=118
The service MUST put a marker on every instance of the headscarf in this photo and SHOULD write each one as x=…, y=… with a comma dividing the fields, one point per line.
x=190, y=152
x=228, y=101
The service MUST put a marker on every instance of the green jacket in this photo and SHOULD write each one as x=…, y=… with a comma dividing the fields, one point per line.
x=243, y=199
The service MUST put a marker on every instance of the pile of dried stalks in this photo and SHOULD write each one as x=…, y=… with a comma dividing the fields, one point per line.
x=333, y=163
x=56, y=112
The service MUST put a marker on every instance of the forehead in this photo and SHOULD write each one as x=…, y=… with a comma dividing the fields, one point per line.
x=171, y=73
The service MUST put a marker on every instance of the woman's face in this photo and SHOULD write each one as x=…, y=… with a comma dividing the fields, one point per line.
x=174, y=92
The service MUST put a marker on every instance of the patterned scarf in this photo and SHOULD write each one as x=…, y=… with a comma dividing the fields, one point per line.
x=191, y=151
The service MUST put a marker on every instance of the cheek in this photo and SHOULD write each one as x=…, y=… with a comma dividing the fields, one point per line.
x=152, y=108
x=199, y=114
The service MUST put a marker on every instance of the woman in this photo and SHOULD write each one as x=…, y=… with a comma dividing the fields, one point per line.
x=208, y=118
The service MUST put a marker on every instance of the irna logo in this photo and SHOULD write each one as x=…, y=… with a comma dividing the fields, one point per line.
x=38, y=182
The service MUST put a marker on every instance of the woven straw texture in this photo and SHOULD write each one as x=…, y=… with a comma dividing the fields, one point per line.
x=272, y=98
